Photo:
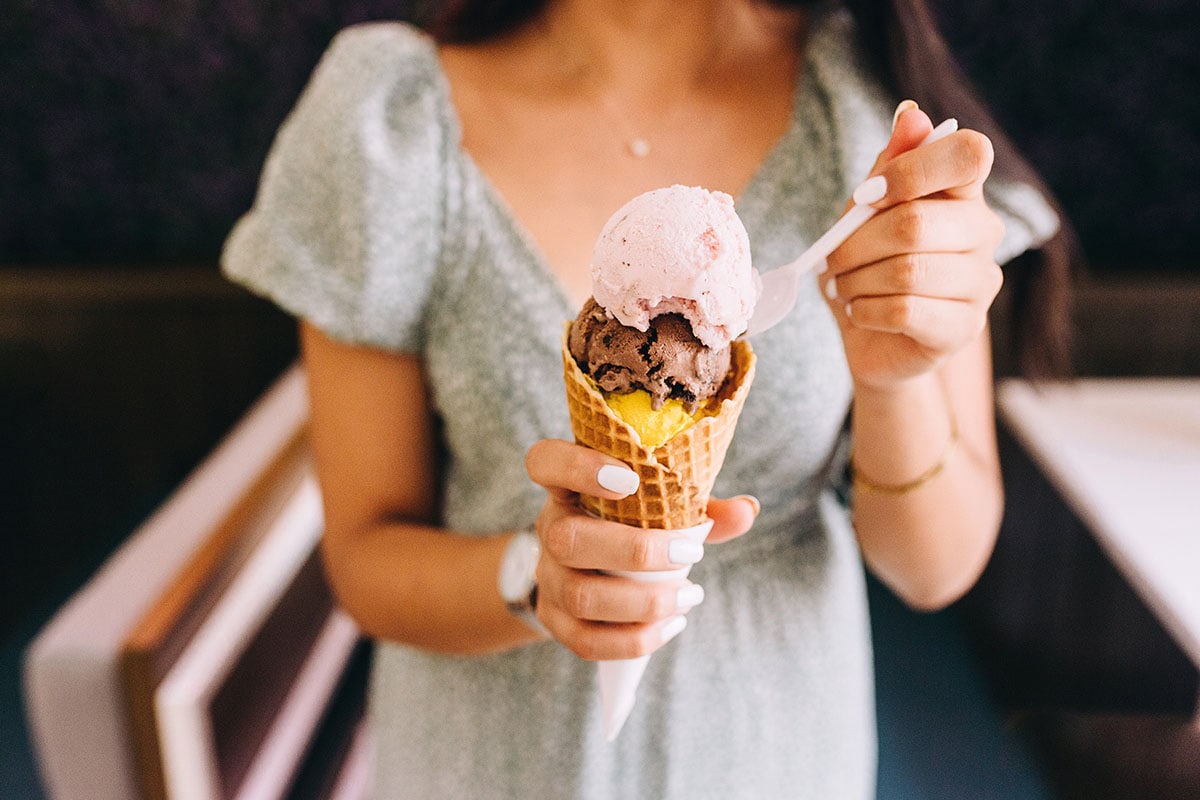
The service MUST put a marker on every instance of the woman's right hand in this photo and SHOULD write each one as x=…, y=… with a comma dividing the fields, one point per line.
x=601, y=616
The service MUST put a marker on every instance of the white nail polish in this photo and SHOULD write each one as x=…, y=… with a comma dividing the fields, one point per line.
x=617, y=479
x=847, y=309
x=689, y=596
x=905, y=105
x=831, y=288
x=872, y=190
x=822, y=266
x=672, y=628
x=684, y=552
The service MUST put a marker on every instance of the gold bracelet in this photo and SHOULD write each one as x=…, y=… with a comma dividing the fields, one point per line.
x=916, y=483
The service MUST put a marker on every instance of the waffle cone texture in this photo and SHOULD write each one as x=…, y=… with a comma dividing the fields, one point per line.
x=676, y=478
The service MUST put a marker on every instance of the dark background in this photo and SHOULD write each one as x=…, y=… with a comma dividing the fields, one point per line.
x=132, y=133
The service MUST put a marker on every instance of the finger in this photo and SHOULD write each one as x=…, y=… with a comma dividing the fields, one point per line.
x=936, y=324
x=582, y=542
x=604, y=641
x=910, y=126
x=956, y=165
x=609, y=598
x=731, y=518
x=563, y=468
x=930, y=226
x=934, y=275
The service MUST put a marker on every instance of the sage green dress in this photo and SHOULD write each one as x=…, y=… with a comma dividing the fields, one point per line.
x=374, y=224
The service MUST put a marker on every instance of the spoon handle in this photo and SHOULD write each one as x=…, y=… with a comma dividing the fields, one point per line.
x=852, y=220
x=781, y=286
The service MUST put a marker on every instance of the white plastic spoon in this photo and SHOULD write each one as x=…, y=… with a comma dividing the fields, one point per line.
x=781, y=286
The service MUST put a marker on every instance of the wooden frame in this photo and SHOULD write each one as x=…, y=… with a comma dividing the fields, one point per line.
x=209, y=643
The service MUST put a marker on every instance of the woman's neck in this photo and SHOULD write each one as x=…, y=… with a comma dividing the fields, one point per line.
x=656, y=51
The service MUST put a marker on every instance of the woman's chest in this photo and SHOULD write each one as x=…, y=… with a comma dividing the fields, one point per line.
x=561, y=168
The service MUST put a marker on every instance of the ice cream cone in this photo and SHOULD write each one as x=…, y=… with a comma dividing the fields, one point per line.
x=676, y=480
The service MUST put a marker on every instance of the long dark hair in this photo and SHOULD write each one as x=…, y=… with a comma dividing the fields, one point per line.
x=913, y=58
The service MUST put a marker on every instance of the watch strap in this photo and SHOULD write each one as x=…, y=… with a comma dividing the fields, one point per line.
x=524, y=607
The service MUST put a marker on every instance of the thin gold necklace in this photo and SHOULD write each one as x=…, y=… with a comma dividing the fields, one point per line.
x=634, y=143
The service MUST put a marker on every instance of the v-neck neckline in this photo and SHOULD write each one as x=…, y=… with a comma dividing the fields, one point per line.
x=535, y=256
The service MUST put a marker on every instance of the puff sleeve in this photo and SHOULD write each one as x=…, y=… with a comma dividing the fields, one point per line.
x=346, y=228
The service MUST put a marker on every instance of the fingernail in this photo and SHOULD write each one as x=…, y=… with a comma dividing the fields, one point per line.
x=689, y=596
x=753, y=501
x=847, y=309
x=905, y=105
x=617, y=479
x=672, y=628
x=872, y=190
x=822, y=266
x=831, y=288
x=684, y=552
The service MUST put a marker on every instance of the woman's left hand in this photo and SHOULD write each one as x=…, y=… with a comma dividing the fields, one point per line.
x=914, y=284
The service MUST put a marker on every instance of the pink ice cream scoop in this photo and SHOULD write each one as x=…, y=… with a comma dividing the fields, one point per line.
x=680, y=249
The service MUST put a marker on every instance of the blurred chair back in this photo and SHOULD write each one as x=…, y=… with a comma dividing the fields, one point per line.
x=206, y=657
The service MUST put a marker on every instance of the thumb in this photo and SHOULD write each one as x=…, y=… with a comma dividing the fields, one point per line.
x=731, y=518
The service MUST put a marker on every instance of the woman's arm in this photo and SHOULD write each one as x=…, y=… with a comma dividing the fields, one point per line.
x=929, y=542
x=400, y=576
x=911, y=292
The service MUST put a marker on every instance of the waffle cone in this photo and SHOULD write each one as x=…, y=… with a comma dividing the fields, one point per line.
x=676, y=478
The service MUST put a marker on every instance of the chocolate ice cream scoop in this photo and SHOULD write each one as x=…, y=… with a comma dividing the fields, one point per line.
x=667, y=360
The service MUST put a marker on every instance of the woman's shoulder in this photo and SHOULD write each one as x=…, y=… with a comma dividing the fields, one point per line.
x=346, y=227
x=835, y=47
x=364, y=59
x=378, y=91
x=395, y=42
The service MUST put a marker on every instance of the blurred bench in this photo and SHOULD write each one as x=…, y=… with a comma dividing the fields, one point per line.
x=1088, y=614
x=206, y=658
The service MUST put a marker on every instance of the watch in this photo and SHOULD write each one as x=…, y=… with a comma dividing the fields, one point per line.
x=517, y=579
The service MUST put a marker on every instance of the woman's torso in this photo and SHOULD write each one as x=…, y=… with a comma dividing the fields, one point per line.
x=378, y=224
x=775, y=664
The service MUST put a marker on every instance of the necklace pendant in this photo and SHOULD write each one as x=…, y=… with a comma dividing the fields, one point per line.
x=638, y=148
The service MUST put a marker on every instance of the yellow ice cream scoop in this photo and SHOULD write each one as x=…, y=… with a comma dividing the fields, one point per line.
x=655, y=426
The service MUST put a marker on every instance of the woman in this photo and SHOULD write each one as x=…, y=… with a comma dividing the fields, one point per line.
x=428, y=211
